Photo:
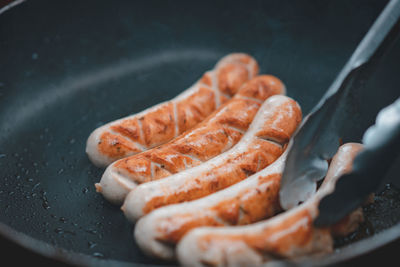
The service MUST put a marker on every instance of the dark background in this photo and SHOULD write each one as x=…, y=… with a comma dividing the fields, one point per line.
x=67, y=67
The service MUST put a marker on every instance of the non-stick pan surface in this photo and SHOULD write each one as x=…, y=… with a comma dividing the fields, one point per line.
x=67, y=67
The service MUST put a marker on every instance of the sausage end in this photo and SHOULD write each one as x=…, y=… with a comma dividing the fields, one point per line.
x=145, y=236
x=114, y=186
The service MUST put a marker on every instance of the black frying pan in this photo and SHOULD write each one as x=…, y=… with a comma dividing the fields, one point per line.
x=67, y=67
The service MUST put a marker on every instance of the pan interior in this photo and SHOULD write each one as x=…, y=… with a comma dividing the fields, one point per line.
x=60, y=81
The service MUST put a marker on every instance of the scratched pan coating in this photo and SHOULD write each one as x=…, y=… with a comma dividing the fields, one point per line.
x=67, y=67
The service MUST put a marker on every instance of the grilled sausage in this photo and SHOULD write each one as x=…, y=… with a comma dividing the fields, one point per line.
x=161, y=123
x=288, y=235
x=263, y=143
x=248, y=201
x=216, y=134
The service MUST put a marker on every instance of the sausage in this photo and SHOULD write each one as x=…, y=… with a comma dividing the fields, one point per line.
x=288, y=235
x=248, y=201
x=161, y=123
x=216, y=134
x=263, y=143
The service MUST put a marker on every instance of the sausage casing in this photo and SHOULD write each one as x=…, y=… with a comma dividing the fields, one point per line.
x=161, y=123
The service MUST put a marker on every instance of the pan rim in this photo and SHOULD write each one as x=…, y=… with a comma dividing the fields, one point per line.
x=342, y=254
x=60, y=254
x=11, y=5
x=50, y=251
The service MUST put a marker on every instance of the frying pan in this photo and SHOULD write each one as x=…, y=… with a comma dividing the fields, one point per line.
x=67, y=67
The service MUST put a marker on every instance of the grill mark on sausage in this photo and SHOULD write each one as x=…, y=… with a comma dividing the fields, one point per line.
x=137, y=144
x=258, y=163
x=215, y=88
x=270, y=140
x=141, y=130
x=235, y=128
x=193, y=157
x=175, y=110
x=250, y=98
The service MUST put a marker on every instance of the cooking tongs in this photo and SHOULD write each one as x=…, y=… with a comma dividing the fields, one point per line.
x=334, y=119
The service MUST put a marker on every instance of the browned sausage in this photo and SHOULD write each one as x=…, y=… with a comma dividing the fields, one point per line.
x=263, y=143
x=161, y=123
x=218, y=133
x=248, y=201
x=288, y=235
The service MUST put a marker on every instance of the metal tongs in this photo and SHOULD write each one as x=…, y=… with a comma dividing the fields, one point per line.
x=334, y=119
